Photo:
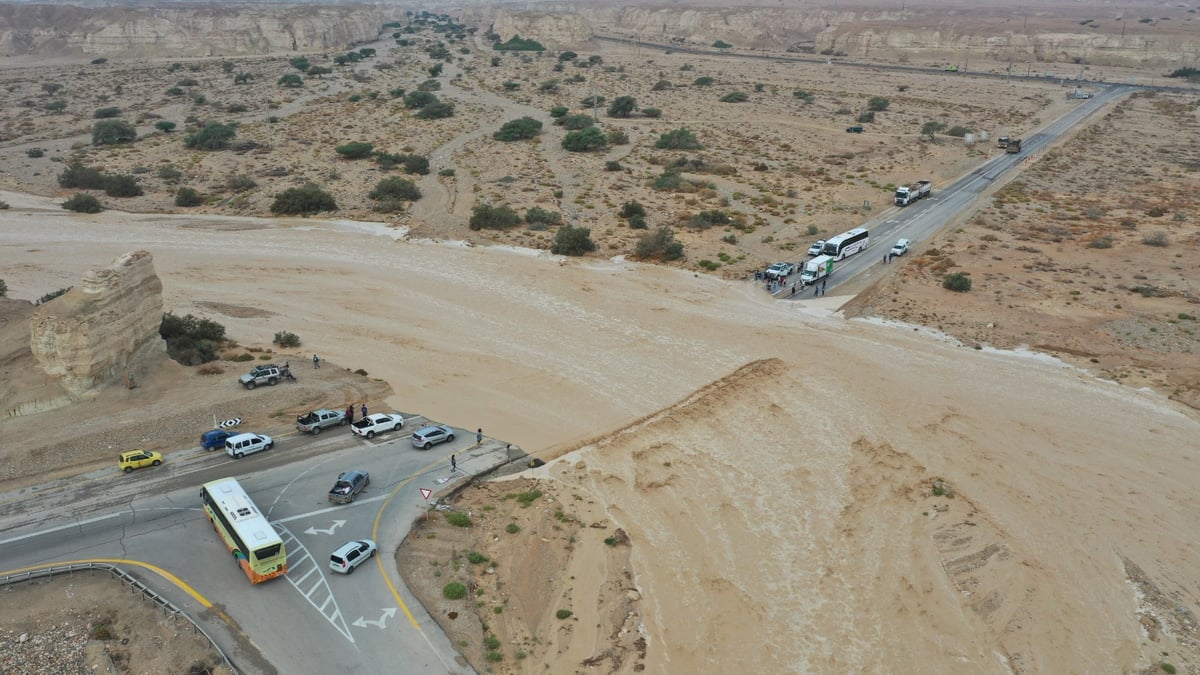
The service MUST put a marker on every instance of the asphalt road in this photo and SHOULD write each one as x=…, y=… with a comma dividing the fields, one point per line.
x=310, y=620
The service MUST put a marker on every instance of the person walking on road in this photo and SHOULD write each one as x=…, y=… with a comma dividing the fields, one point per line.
x=316, y=361
x=478, y=436
x=823, y=282
x=453, y=464
x=364, y=410
x=350, y=414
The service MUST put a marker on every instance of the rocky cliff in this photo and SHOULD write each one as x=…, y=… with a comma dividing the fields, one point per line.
x=215, y=29
x=103, y=330
x=1163, y=39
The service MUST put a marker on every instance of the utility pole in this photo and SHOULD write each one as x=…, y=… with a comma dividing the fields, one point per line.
x=595, y=115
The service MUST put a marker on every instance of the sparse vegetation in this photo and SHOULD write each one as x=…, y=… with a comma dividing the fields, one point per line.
x=1158, y=238
x=286, y=339
x=957, y=282
x=113, y=132
x=518, y=130
x=458, y=519
x=454, y=591
x=486, y=217
x=573, y=241
x=191, y=340
x=660, y=244
x=679, y=139
x=303, y=200
x=187, y=196
x=82, y=202
x=214, y=136
x=585, y=140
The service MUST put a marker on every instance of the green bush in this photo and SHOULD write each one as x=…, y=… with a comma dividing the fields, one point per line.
x=213, y=136
x=661, y=85
x=518, y=130
x=78, y=176
x=559, y=111
x=105, y=113
x=679, y=139
x=395, y=188
x=475, y=557
x=617, y=137
x=653, y=113
x=512, y=528
x=586, y=140
x=286, y=339
x=576, y=122
x=622, y=106
x=291, y=81
x=82, y=202
x=121, y=185
x=613, y=165
x=878, y=103
x=187, y=196
x=804, y=95
x=632, y=208
x=703, y=82
x=1159, y=239
x=866, y=117
x=537, y=214
x=485, y=217
x=454, y=591
x=52, y=295
x=303, y=200
x=735, y=97
x=573, y=241
x=355, y=150
x=418, y=99
x=958, y=131
x=458, y=519
x=113, y=132
x=707, y=219
x=957, y=282
x=240, y=183
x=563, y=614
x=659, y=244
x=191, y=341
x=436, y=111
x=516, y=44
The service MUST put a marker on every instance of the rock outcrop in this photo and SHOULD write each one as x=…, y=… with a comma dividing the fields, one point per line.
x=101, y=331
x=215, y=29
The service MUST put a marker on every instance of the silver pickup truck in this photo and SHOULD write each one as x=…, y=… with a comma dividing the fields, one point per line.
x=315, y=421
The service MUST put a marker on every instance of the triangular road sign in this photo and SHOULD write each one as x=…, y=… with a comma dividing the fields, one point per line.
x=425, y=492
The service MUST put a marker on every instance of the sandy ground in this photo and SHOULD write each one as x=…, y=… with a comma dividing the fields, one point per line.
x=871, y=495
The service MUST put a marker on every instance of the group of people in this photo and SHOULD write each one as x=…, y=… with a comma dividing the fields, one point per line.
x=773, y=284
x=350, y=412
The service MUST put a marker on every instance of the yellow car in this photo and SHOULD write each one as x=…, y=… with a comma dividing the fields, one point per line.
x=136, y=459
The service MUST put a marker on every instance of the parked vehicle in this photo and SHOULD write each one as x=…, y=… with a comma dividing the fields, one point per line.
x=847, y=243
x=900, y=247
x=316, y=420
x=780, y=270
x=1014, y=146
x=427, y=437
x=348, y=485
x=245, y=444
x=268, y=374
x=816, y=248
x=1002, y=142
x=854, y=130
x=137, y=459
x=816, y=269
x=377, y=423
x=211, y=440
x=908, y=194
x=351, y=555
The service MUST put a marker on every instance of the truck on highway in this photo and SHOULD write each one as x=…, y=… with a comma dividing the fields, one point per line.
x=816, y=269
x=1013, y=147
x=908, y=194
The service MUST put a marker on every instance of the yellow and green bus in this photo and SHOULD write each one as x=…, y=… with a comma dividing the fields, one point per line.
x=253, y=542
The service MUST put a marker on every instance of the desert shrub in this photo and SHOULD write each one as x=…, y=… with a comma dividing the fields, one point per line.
x=1156, y=239
x=418, y=99
x=865, y=117
x=659, y=244
x=563, y=614
x=430, y=85
x=637, y=223
x=573, y=241
x=512, y=528
x=518, y=44
x=577, y=121
x=395, y=188
x=458, y=519
x=1103, y=241
x=559, y=111
x=613, y=165
x=165, y=126
x=82, y=202
x=706, y=219
x=122, y=185
x=537, y=214
x=240, y=183
x=436, y=111
x=661, y=85
x=617, y=137
x=187, y=196
x=52, y=295
x=286, y=339
x=303, y=200
x=105, y=113
x=805, y=96
x=703, y=82
x=191, y=341
x=632, y=208
x=653, y=113
x=957, y=282
x=622, y=106
x=355, y=150
x=1188, y=73
x=3, y=289
x=518, y=129
x=585, y=140
x=735, y=97
x=76, y=175
x=486, y=217
x=34, y=153
x=475, y=557
x=592, y=101
x=878, y=103
x=113, y=132
x=548, y=86
x=213, y=136
x=454, y=591
x=291, y=81
x=958, y=131
x=679, y=139
x=446, y=173
x=56, y=106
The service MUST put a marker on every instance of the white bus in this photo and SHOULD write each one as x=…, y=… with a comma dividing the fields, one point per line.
x=254, y=543
x=847, y=243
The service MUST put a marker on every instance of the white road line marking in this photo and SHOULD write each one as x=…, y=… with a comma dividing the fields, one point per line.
x=320, y=602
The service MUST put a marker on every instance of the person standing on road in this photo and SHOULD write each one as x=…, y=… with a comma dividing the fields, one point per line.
x=350, y=414
x=316, y=361
x=478, y=436
x=364, y=409
x=823, y=282
x=453, y=464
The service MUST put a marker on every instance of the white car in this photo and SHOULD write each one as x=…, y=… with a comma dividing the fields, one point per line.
x=377, y=423
x=351, y=555
x=816, y=248
x=900, y=248
x=427, y=437
x=246, y=444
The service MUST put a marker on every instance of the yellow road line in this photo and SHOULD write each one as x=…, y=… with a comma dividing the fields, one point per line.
x=136, y=563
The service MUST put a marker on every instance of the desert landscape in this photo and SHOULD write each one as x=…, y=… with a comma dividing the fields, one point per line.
x=893, y=478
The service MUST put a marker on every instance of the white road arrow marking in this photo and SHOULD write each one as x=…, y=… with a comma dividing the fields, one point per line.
x=388, y=613
x=336, y=525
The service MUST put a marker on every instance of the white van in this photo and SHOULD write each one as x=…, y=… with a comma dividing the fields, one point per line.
x=247, y=444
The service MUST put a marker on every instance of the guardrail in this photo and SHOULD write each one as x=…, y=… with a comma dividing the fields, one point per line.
x=135, y=585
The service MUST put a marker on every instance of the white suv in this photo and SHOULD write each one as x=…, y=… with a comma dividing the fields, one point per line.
x=351, y=555
x=246, y=444
x=427, y=437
